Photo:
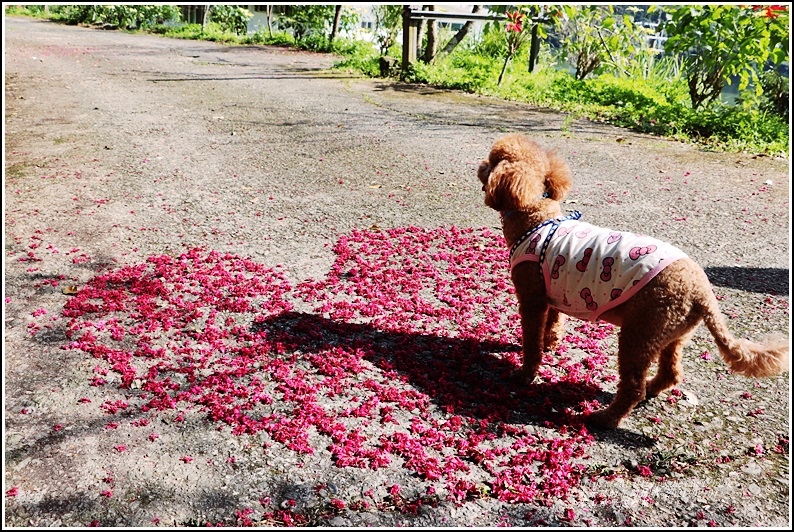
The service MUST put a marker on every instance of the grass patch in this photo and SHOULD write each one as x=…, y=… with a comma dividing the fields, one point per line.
x=657, y=105
x=212, y=32
x=16, y=171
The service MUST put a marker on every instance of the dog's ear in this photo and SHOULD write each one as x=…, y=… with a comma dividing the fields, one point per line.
x=483, y=172
x=558, y=180
x=495, y=181
x=507, y=186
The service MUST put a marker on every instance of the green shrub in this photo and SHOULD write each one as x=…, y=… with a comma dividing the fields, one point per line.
x=353, y=48
x=366, y=65
x=544, y=87
x=359, y=56
x=26, y=10
x=276, y=38
x=615, y=91
x=233, y=19
x=655, y=105
x=470, y=73
x=184, y=31
x=213, y=32
x=775, y=97
x=492, y=43
x=731, y=127
x=314, y=42
x=123, y=16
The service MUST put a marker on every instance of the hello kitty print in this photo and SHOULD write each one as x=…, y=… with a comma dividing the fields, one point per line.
x=588, y=269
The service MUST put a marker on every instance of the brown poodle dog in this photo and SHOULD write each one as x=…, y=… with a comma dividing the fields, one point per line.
x=656, y=305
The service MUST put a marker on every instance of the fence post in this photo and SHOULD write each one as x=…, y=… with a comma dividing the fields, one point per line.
x=410, y=28
x=534, y=47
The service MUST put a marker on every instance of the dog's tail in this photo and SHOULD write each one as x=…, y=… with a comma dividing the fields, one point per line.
x=747, y=358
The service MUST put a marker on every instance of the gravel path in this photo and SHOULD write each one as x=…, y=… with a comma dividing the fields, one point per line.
x=241, y=220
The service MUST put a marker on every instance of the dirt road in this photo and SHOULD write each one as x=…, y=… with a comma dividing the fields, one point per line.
x=241, y=288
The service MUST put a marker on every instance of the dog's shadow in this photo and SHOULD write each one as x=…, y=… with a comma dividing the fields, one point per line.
x=462, y=376
x=624, y=437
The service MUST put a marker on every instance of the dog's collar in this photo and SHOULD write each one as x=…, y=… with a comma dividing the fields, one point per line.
x=575, y=215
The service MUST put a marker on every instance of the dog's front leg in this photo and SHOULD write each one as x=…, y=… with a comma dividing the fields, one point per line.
x=533, y=329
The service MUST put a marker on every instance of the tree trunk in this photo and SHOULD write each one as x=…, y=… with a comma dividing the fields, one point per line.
x=420, y=34
x=502, y=73
x=206, y=19
x=432, y=38
x=335, y=26
x=269, y=18
x=461, y=34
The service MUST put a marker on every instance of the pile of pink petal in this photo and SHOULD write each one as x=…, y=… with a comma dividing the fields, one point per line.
x=403, y=363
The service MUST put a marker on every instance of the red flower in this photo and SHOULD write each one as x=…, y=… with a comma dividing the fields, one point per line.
x=771, y=11
x=514, y=24
x=336, y=503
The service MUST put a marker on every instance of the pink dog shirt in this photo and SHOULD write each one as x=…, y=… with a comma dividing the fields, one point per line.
x=587, y=269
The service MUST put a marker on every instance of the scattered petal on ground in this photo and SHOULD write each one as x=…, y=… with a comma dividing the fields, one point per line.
x=404, y=361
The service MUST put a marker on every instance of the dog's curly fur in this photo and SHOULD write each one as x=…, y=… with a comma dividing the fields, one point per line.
x=529, y=181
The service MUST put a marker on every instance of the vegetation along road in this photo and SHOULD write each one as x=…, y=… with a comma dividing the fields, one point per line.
x=242, y=288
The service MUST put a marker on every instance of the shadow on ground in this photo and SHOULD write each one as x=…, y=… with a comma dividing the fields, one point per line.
x=463, y=376
x=774, y=281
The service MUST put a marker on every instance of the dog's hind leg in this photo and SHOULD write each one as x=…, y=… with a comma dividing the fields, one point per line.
x=555, y=329
x=636, y=353
x=670, y=371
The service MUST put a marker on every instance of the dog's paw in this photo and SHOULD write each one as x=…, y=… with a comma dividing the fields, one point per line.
x=551, y=343
x=654, y=387
x=602, y=419
x=652, y=392
x=523, y=376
